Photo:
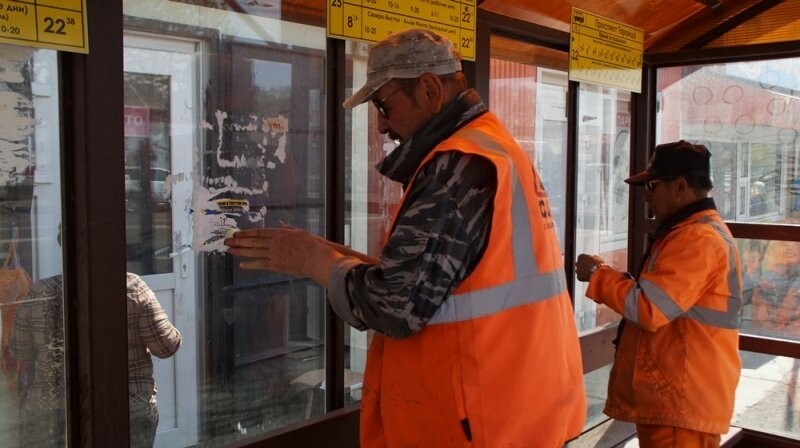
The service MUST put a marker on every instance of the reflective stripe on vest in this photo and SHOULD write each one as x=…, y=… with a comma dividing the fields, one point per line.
x=667, y=305
x=529, y=285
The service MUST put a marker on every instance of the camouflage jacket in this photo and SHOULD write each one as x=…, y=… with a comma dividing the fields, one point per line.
x=438, y=237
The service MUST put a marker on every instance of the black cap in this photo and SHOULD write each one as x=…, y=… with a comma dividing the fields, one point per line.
x=677, y=159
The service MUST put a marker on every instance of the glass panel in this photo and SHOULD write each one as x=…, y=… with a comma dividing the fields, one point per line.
x=596, y=383
x=528, y=88
x=603, y=162
x=370, y=199
x=528, y=91
x=766, y=395
x=602, y=203
x=148, y=224
x=33, y=387
x=225, y=130
x=746, y=113
x=772, y=288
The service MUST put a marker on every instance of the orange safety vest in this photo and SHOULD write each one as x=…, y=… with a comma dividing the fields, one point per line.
x=499, y=364
x=678, y=363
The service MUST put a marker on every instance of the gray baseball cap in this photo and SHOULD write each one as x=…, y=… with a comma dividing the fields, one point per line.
x=406, y=54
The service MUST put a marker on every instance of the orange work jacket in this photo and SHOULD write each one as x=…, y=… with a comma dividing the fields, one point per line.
x=677, y=363
x=499, y=364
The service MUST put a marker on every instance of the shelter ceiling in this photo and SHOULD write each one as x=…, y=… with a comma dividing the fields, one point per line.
x=670, y=25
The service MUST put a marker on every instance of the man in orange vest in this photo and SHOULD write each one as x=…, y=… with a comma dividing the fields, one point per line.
x=476, y=343
x=677, y=363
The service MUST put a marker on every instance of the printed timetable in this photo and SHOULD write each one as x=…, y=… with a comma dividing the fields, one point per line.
x=373, y=20
x=605, y=51
x=55, y=24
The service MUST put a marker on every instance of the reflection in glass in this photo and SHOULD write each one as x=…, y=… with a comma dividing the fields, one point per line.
x=274, y=324
x=766, y=397
x=771, y=272
x=596, y=383
x=602, y=208
x=148, y=223
x=234, y=99
x=32, y=346
x=370, y=198
x=528, y=92
x=746, y=113
x=159, y=136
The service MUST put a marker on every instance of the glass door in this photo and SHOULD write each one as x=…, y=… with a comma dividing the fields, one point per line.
x=160, y=137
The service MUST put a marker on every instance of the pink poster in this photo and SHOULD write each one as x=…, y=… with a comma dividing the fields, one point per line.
x=137, y=121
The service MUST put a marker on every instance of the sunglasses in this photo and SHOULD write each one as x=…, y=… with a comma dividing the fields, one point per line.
x=380, y=104
x=651, y=184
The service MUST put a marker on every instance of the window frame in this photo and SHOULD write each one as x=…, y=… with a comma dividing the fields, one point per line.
x=92, y=122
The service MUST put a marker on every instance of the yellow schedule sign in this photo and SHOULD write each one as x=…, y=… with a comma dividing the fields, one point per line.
x=605, y=51
x=373, y=20
x=55, y=24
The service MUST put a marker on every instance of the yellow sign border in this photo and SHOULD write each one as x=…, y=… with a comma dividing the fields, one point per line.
x=379, y=18
x=605, y=51
x=36, y=23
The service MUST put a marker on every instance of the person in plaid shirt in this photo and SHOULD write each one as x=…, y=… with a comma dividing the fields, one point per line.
x=149, y=332
x=37, y=341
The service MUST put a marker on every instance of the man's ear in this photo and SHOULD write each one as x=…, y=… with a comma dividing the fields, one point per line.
x=683, y=185
x=433, y=91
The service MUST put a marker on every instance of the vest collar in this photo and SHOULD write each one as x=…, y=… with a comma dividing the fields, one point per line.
x=681, y=215
x=666, y=227
x=402, y=163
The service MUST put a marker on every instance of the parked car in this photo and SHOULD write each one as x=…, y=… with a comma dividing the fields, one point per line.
x=159, y=183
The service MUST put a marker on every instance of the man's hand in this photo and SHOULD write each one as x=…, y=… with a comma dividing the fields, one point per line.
x=585, y=266
x=285, y=249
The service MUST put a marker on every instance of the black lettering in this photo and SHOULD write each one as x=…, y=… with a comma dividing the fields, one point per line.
x=544, y=209
x=55, y=26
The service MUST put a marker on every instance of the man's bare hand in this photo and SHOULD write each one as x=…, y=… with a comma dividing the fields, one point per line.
x=585, y=266
x=283, y=249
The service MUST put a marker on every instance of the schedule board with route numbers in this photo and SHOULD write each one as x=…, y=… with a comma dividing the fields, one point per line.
x=54, y=24
x=373, y=20
x=605, y=51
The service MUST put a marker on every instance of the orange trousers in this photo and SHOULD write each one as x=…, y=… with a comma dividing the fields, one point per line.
x=653, y=436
